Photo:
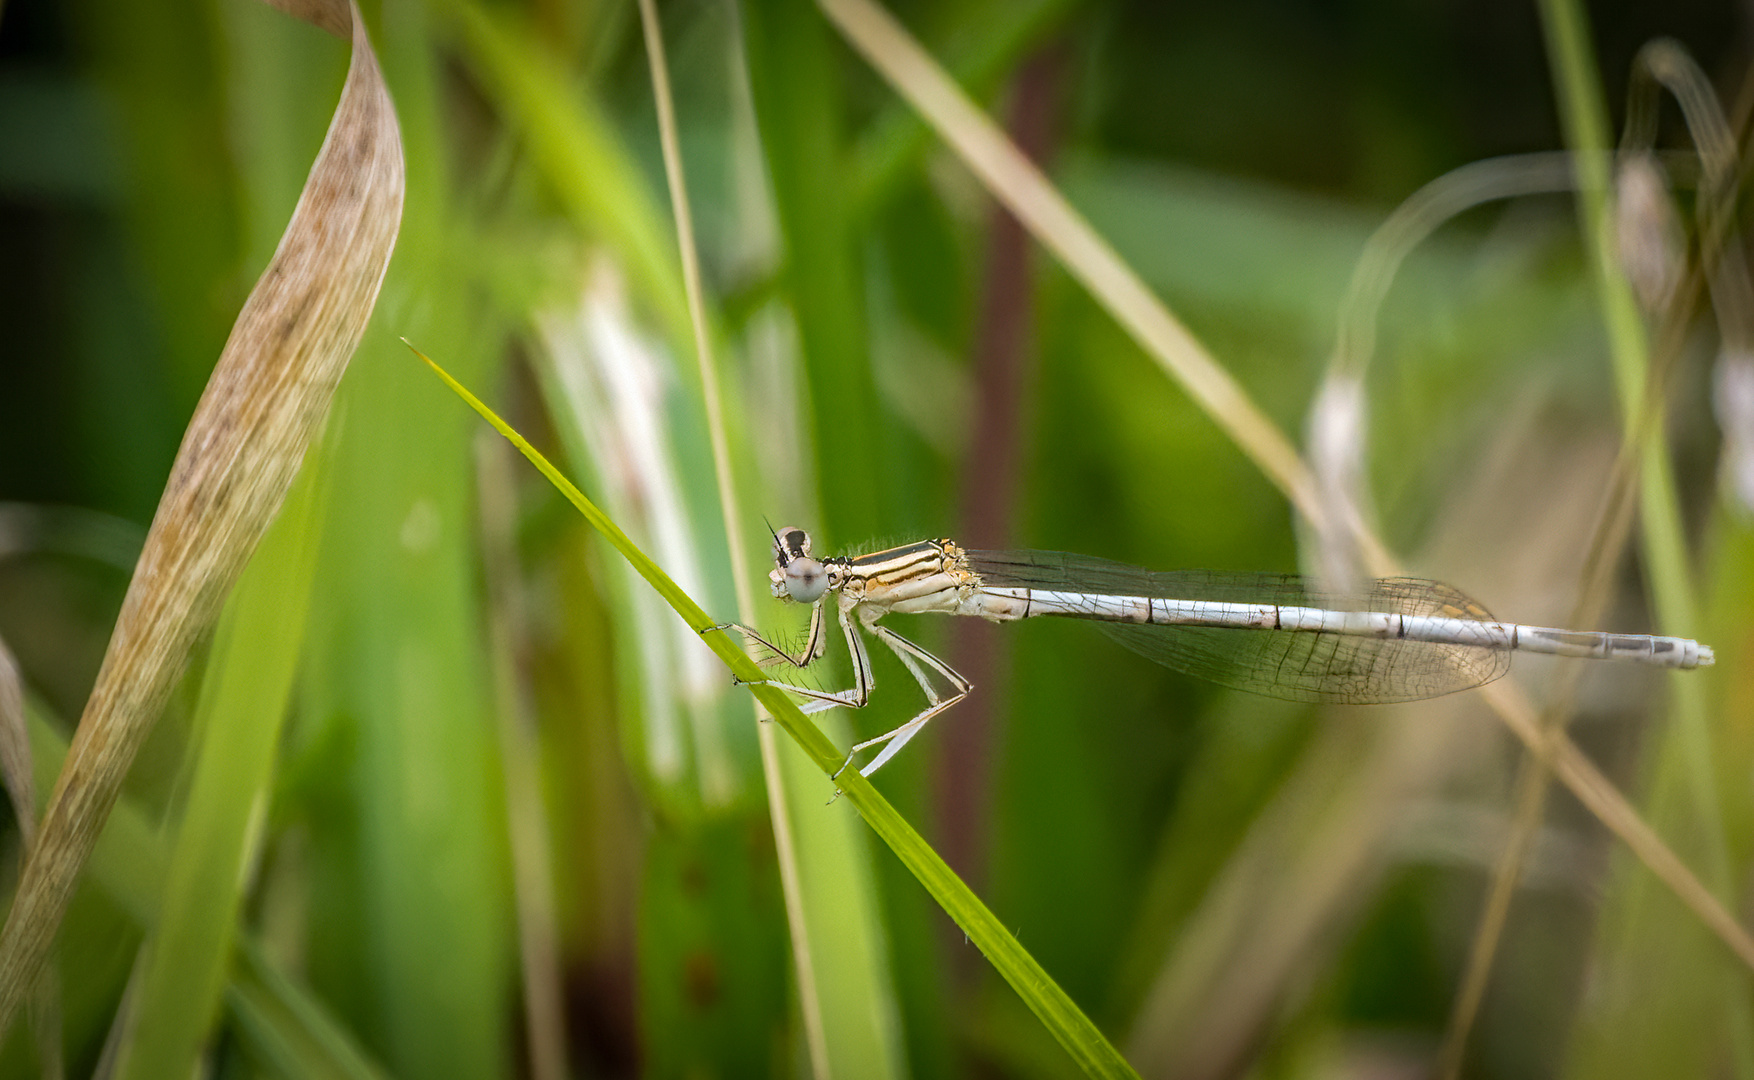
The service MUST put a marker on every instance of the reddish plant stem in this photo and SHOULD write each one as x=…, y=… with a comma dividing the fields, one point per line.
x=1004, y=375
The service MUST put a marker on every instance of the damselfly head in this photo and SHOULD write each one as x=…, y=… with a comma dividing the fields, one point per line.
x=796, y=576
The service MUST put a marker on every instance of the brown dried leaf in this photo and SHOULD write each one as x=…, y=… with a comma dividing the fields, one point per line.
x=268, y=396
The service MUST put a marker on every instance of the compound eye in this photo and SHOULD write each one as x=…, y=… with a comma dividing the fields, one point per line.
x=806, y=580
x=794, y=543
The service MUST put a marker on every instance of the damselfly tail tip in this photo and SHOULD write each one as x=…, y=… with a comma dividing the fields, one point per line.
x=1706, y=656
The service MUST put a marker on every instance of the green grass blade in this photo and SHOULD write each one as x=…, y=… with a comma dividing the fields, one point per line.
x=792, y=59
x=130, y=863
x=1645, y=953
x=1081, y=1038
x=286, y=1027
x=243, y=703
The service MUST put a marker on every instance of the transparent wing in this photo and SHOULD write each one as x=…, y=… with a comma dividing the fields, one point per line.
x=1330, y=668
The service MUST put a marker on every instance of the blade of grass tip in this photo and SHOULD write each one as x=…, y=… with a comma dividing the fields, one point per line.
x=809, y=1002
x=243, y=705
x=1011, y=178
x=691, y=612
x=268, y=395
x=1081, y=1038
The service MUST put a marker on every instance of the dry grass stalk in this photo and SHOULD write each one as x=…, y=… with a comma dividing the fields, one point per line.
x=268, y=396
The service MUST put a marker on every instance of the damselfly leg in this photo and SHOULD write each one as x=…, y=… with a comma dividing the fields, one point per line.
x=916, y=659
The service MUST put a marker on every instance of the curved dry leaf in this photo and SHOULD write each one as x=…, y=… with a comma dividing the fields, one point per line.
x=268, y=396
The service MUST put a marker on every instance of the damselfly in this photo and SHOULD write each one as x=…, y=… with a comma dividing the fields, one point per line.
x=1403, y=639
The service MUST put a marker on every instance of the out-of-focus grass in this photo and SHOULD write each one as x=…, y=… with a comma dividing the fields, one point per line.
x=284, y=1024
x=243, y=704
x=1130, y=805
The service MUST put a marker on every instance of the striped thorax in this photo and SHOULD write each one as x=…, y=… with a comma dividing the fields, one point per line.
x=928, y=576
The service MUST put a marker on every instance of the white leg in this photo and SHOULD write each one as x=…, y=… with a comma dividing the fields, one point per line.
x=822, y=700
x=814, y=646
x=912, y=656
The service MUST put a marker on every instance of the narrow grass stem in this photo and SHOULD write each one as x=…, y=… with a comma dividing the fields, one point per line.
x=809, y=1000
x=1606, y=549
x=1577, y=83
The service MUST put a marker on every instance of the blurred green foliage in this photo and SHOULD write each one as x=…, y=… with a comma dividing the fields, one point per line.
x=1238, y=156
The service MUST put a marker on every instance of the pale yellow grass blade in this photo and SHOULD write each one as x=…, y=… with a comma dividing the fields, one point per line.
x=268, y=396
